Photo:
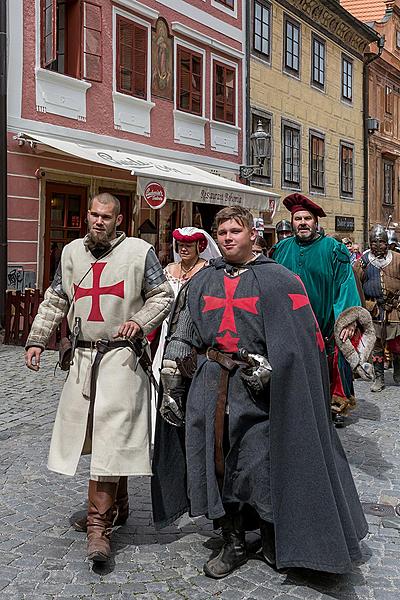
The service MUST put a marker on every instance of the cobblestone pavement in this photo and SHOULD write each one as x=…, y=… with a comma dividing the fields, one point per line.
x=42, y=557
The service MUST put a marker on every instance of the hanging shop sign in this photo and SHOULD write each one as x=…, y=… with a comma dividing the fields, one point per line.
x=155, y=195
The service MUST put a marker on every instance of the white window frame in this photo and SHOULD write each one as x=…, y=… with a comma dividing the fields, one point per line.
x=179, y=42
x=229, y=11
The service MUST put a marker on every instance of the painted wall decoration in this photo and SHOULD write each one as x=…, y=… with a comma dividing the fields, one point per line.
x=162, y=78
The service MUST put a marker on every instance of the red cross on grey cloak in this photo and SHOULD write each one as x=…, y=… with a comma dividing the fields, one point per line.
x=97, y=291
x=300, y=300
x=228, y=342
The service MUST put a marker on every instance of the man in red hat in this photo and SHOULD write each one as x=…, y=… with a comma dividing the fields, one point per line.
x=324, y=267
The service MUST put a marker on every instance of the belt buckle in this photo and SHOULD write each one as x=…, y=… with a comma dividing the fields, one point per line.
x=208, y=355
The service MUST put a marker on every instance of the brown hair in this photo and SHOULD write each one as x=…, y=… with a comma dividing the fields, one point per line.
x=106, y=198
x=238, y=213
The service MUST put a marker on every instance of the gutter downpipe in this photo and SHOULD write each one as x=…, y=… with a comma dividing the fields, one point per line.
x=366, y=64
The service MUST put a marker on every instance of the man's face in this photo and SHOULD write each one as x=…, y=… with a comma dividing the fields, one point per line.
x=304, y=225
x=379, y=247
x=283, y=235
x=235, y=241
x=102, y=222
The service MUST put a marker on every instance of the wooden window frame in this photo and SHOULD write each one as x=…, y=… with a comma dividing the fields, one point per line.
x=75, y=50
x=286, y=67
x=317, y=175
x=315, y=39
x=346, y=178
x=180, y=49
x=120, y=19
x=267, y=8
x=295, y=129
x=226, y=67
x=389, y=99
x=386, y=163
x=347, y=81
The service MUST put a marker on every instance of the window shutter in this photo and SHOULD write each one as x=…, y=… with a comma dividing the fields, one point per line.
x=92, y=59
x=131, y=74
x=140, y=61
x=48, y=31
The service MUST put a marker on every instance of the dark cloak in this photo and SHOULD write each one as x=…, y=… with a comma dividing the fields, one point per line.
x=316, y=510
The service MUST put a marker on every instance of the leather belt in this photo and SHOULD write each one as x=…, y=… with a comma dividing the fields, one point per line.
x=102, y=347
x=228, y=364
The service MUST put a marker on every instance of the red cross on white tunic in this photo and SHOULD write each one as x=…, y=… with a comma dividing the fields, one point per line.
x=300, y=300
x=96, y=291
x=228, y=342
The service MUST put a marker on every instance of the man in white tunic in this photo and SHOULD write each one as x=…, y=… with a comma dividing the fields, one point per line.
x=113, y=289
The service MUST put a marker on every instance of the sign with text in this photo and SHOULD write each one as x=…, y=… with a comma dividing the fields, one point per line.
x=344, y=223
x=155, y=195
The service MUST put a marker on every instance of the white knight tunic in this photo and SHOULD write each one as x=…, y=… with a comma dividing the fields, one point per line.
x=126, y=284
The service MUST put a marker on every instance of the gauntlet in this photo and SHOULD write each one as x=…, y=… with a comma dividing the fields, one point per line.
x=172, y=402
x=257, y=375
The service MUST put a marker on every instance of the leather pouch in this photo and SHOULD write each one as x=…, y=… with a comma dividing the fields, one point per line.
x=64, y=353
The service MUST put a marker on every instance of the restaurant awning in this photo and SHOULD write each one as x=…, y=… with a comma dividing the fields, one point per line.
x=180, y=181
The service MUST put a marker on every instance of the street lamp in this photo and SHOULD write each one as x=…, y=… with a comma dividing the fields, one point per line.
x=261, y=143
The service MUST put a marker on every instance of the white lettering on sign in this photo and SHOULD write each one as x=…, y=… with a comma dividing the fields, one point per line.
x=228, y=198
x=126, y=161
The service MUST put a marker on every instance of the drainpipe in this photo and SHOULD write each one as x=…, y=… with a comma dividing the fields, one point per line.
x=3, y=159
x=367, y=62
x=248, y=108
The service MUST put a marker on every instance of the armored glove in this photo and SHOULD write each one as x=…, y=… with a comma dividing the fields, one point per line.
x=171, y=408
x=257, y=375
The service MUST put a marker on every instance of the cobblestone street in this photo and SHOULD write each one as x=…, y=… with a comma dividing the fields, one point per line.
x=42, y=557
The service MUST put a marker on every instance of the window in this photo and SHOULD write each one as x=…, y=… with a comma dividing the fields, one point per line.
x=262, y=28
x=347, y=79
x=131, y=76
x=228, y=3
x=292, y=47
x=318, y=62
x=190, y=81
x=346, y=170
x=266, y=175
x=71, y=38
x=224, y=93
x=317, y=162
x=388, y=179
x=291, y=155
x=388, y=99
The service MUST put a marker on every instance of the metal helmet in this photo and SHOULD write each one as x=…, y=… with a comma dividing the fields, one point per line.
x=283, y=225
x=378, y=232
x=392, y=237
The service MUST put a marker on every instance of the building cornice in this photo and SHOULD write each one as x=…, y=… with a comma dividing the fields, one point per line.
x=334, y=21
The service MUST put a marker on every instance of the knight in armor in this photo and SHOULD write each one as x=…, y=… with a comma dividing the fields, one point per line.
x=283, y=229
x=379, y=273
x=113, y=291
x=244, y=434
x=323, y=265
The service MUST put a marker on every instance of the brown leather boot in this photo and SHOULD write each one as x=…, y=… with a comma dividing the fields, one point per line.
x=100, y=518
x=121, y=507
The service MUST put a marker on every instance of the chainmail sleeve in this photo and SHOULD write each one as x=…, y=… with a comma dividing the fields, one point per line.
x=157, y=293
x=181, y=341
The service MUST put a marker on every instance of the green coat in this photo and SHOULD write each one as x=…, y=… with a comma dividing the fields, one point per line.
x=324, y=267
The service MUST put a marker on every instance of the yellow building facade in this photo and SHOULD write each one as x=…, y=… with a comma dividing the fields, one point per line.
x=306, y=87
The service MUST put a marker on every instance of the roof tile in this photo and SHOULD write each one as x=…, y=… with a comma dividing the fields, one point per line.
x=365, y=10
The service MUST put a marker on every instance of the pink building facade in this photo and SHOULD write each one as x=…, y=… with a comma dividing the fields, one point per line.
x=163, y=80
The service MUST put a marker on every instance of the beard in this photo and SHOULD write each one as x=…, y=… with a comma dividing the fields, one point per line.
x=97, y=240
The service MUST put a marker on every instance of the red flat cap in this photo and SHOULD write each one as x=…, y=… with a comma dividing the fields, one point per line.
x=296, y=202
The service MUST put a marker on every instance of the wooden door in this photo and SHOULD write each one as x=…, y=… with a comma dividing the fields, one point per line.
x=66, y=208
